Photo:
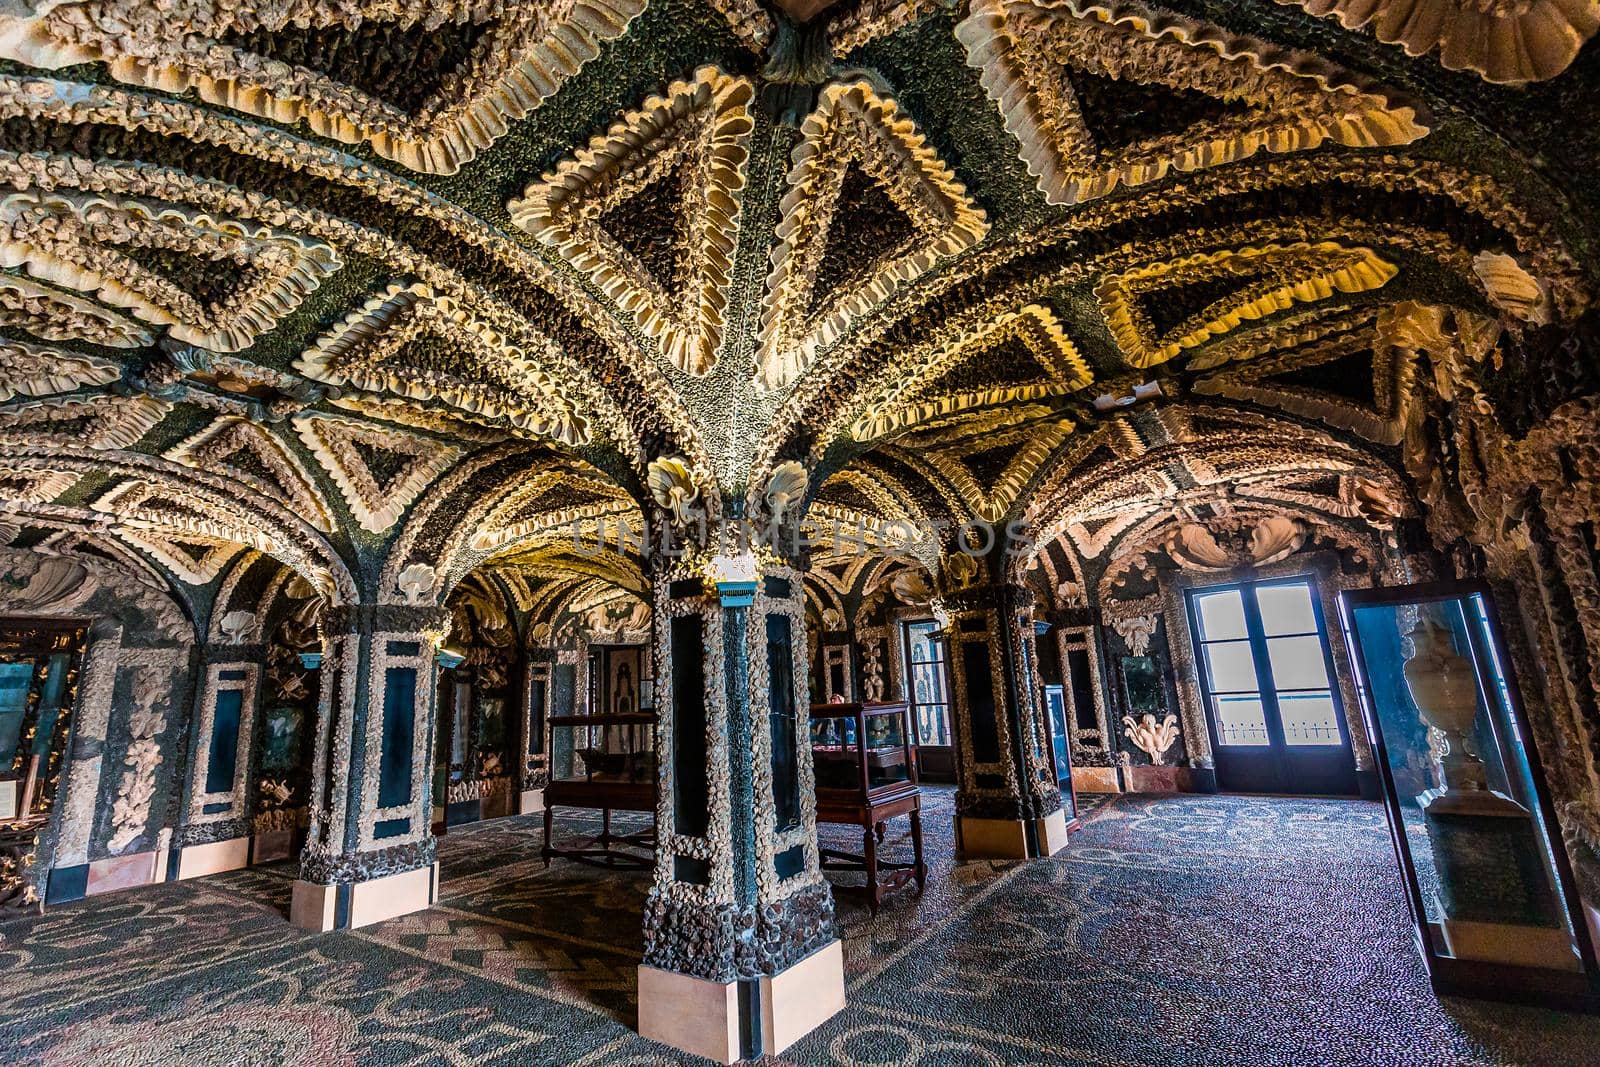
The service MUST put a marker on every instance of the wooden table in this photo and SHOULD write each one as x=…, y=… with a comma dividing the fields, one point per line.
x=876, y=794
x=605, y=849
x=883, y=876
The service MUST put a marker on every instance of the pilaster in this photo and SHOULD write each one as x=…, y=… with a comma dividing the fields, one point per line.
x=214, y=827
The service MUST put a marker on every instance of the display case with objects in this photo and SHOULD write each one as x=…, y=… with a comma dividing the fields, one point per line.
x=866, y=774
x=605, y=763
x=1490, y=887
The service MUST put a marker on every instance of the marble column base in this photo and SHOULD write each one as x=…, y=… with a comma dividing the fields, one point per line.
x=703, y=1018
x=214, y=857
x=1007, y=839
x=1096, y=780
x=74, y=882
x=348, y=906
x=273, y=845
x=530, y=802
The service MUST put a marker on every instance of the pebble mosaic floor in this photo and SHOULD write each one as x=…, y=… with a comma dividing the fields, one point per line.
x=1188, y=930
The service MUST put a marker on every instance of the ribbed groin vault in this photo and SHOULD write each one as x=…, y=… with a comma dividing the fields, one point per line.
x=326, y=326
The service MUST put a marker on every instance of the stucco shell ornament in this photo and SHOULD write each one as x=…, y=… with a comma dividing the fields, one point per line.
x=1136, y=631
x=1512, y=289
x=672, y=486
x=1277, y=537
x=1507, y=41
x=1152, y=737
x=911, y=587
x=46, y=583
x=236, y=626
x=416, y=582
x=1194, y=546
x=787, y=485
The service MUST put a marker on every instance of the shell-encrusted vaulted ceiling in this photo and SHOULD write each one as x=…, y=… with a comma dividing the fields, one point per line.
x=319, y=277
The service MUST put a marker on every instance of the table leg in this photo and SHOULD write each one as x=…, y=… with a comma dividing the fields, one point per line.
x=870, y=856
x=916, y=848
x=549, y=820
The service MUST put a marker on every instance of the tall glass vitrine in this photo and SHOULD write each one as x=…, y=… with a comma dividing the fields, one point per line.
x=1489, y=884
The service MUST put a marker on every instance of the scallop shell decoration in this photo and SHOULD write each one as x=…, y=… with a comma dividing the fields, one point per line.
x=416, y=582
x=1509, y=43
x=1192, y=545
x=911, y=587
x=236, y=625
x=787, y=484
x=672, y=486
x=961, y=570
x=1512, y=289
x=1277, y=537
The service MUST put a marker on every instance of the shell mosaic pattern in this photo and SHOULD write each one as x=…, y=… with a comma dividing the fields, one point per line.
x=377, y=300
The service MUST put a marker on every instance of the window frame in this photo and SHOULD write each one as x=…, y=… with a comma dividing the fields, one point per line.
x=1267, y=687
x=942, y=665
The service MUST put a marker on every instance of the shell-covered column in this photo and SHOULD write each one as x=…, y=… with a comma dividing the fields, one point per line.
x=1008, y=804
x=370, y=849
x=741, y=952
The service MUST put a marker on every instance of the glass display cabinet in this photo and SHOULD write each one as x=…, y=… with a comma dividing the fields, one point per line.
x=866, y=773
x=1489, y=884
x=605, y=762
x=1053, y=699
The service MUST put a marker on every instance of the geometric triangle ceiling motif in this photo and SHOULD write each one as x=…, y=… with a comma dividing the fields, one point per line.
x=1104, y=94
x=350, y=71
x=213, y=282
x=39, y=370
x=862, y=177
x=1158, y=310
x=990, y=477
x=650, y=211
x=1018, y=357
x=378, y=470
x=34, y=486
x=193, y=537
x=194, y=559
x=1352, y=381
x=413, y=342
x=55, y=315
x=938, y=432
x=256, y=457
x=104, y=421
x=548, y=499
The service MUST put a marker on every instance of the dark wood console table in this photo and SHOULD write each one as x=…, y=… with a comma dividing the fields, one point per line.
x=608, y=763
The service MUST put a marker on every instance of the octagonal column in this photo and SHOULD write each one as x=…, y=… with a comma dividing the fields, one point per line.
x=741, y=954
x=1008, y=805
x=369, y=852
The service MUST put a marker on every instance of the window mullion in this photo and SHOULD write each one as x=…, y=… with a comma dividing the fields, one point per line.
x=1258, y=650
